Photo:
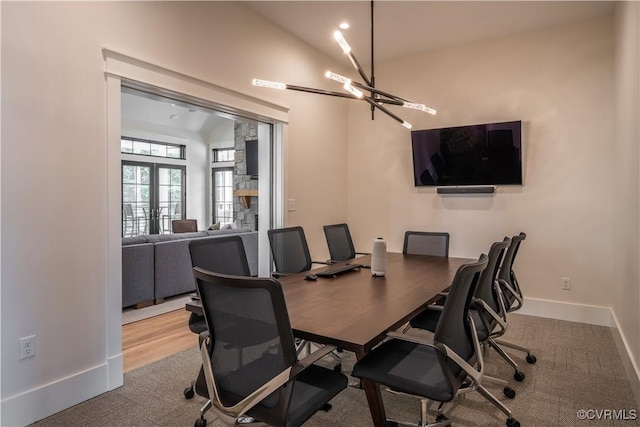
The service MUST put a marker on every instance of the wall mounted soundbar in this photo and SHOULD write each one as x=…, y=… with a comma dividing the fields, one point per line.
x=466, y=190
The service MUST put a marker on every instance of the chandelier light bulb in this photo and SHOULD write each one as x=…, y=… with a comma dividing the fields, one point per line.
x=429, y=110
x=420, y=107
x=337, y=77
x=269, y=84
x=355, y=92
x=342, y=42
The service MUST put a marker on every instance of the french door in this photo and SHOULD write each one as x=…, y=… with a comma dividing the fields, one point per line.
x=153, y=194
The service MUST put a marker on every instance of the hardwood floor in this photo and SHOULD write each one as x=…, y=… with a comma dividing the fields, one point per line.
x=152, y=339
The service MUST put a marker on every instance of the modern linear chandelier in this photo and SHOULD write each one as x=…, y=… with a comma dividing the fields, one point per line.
x=356, y=90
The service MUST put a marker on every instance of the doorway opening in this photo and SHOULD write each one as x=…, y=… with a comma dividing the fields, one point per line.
x=122, y=71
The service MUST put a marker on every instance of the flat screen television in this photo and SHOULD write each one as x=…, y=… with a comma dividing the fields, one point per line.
x=484, y=154
x=251, y=151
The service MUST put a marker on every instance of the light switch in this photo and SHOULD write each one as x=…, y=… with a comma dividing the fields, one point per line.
x=292, y=205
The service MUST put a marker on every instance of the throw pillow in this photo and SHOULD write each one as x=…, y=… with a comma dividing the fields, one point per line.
x=215, y=226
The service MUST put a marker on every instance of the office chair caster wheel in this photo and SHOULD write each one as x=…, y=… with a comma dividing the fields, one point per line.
x=188, y=392
x=338, y=367
x=518, y=376
x=509, y=392
x=512, y=422
x=531, y=359
x=440, y=418
x=202, y=422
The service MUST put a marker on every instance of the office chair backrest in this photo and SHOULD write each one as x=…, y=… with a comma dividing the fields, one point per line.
x=506, y=270
x=290, y=250
x=453, y=327
x=253, y=340
x=426, y=243
x=339, y=242
x=184, y=225
x=485, y=290
x=224, y=255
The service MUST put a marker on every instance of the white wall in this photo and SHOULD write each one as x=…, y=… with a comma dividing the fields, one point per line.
x=54, y=99
x=559, y=83
x=626, y=229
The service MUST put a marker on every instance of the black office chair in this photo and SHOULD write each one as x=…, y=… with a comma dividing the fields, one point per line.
x=439, y=370
x=267, y=383
x=224, y=255
x=340, y=243
x=511, y=291
x=290, y=251
x=426, y=243
x=291, y=255
x=487, y=310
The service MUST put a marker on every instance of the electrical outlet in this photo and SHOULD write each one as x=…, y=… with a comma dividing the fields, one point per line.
x=565, y=284
x=27, y=347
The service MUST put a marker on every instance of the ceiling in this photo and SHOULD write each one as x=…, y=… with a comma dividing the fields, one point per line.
x=404, y=28
x=401, y=28
x=144, y=109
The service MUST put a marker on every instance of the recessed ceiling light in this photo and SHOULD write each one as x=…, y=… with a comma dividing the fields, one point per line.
x=173, y=116
x=344, y=26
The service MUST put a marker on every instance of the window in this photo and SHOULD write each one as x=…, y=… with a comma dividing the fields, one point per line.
x=222, y=195
x=153, y=195
x=152, y=148
x=224, y=155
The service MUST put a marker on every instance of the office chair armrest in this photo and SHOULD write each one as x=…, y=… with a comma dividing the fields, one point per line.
x=230, y=414
x=503, y=309
x=504, y=284
x=488, y=310
x=409, y=338
x=312, y=358
x=475, y=374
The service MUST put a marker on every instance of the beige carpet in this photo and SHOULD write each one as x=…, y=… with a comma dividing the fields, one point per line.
x=578, y=368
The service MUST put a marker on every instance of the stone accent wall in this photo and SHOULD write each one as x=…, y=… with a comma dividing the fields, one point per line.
x=244, y=131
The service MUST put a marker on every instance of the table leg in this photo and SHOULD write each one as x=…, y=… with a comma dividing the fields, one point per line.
x=374, y=399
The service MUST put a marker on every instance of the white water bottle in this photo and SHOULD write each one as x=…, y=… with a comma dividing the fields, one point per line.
x=379, y=257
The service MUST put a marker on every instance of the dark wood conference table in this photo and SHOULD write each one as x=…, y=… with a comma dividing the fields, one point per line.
x=355, y=310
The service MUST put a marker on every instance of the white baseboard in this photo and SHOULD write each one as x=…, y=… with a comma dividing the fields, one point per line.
x=48, y=399
x=592, y=315
x=589, y=314
x=630, y=366
x=116, y=371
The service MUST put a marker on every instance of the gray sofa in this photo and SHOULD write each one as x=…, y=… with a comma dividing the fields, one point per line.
x=158, y=266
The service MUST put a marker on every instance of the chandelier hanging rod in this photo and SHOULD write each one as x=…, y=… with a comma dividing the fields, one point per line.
x=354, y=90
